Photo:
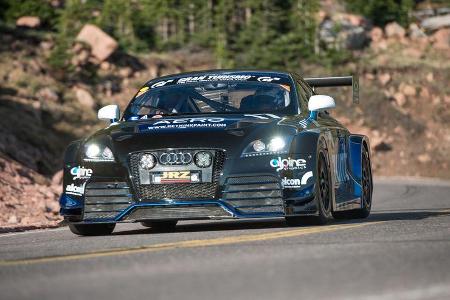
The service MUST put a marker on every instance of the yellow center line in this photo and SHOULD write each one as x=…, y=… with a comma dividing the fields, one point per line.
x=188, y=244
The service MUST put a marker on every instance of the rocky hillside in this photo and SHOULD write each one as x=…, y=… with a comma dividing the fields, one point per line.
x=405, y=103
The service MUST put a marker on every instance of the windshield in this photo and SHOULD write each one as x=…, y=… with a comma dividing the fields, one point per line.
x=211, y=97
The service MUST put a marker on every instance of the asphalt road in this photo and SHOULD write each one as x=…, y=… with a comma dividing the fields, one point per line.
x=402, y=251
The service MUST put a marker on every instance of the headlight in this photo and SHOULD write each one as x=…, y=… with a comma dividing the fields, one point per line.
x=203, y=159
x=147, y=162
x=259, y=146
x=96, y=153
x=276, y=145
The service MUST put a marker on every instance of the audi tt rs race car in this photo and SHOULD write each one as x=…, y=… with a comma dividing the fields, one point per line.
x=219, y=144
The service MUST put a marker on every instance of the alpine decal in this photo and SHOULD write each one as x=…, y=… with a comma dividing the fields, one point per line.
x=288, y=164
x=81, y=173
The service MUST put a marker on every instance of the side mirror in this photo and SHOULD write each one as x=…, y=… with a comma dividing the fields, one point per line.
x=318, y=103
x=109, y=113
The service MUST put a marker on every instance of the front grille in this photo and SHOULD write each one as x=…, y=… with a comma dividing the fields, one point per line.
x=177, y=191
x=105, y=200
x=178, y=212
x=254, y=194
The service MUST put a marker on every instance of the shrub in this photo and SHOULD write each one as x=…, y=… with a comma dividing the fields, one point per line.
x=381, y=12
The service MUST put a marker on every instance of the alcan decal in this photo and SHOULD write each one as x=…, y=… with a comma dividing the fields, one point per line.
x=76, y=190
x=81, y=173
x=292, y=183
x=288, y=164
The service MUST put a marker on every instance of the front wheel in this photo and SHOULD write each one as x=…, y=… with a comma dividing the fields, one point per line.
x=92, y=229
x=323, y=195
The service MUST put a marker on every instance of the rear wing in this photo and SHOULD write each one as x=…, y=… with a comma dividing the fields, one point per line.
x=352, y=81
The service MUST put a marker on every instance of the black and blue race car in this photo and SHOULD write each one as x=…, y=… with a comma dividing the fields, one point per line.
x=219, y=144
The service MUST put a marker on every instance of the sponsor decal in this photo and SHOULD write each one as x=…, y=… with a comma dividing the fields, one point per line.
x=161, y=83
x=303, y=123
x=214, y=78
x=306, y=176
x=288, y=164
x=73, y=189
x=81, y=173
x=222, y=77
x=267, y=79
x=173, y=177
x=186, y=123
x=142, y=91
x=263, y=116
x=190, y=120
x=291, y=183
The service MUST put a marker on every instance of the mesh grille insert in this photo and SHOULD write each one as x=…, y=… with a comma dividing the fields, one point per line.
x=177, y=191
x=254, y=194
x=105, y=200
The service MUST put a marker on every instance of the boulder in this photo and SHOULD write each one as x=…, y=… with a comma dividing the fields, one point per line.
x=424, y=158
x=424, y=93
x=57, y=178
x=84, y=97
x=28, y=21
x=400, y=99
x=384, y=78
x=413, y=53
x=394, y=30
x=126, y=72
x=441, y=39
x=349, y=36
x=47, y=94
x=13, y=219
x=102, y=45
x=409, y=90
x=435, y=23
x=415, y=32
x=81, y=58
x=376, y=34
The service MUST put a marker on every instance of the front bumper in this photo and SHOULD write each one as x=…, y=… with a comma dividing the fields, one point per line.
x=112, y=195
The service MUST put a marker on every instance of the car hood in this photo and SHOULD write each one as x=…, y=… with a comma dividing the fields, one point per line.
x=231, y=133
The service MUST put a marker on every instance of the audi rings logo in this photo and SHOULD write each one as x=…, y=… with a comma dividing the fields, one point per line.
x=175, y=158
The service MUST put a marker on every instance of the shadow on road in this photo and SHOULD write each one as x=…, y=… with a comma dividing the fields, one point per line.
x=376, y=216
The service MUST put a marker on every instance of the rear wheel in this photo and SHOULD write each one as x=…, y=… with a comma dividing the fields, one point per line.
x=323, y=196
x=92, y=229
x=366, y=193
x=163, y=226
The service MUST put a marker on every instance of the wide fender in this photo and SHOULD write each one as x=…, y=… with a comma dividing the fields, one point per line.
x=307, y=144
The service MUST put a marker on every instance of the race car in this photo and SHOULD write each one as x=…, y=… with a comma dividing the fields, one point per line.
x=219, y=144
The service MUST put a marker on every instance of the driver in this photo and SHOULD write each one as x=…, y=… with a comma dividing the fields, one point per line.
x=170, y=102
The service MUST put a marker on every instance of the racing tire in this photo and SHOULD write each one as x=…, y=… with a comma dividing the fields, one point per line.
x=161, y=226
x=323, y=195
x=92, y=229
x=366, y=194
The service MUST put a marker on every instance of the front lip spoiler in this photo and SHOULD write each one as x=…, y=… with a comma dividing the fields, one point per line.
x=233, y=213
